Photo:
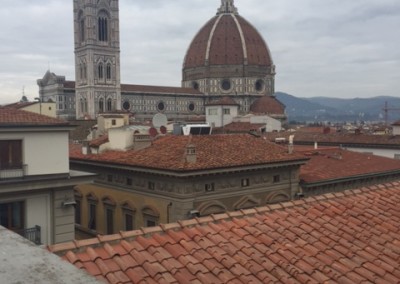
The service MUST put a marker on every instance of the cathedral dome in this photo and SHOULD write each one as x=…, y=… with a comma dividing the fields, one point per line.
x=227, y=46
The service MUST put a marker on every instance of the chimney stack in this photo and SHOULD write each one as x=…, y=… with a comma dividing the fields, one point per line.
x=191, y=156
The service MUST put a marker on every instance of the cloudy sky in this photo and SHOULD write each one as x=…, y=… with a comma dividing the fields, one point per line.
x=336, y=48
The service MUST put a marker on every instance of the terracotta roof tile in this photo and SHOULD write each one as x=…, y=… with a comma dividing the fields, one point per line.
x=331, y=239
x=16, y=117
x=213, y=152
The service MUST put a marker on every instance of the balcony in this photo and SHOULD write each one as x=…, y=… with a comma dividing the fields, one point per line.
x=12, y=172
x=32, y=234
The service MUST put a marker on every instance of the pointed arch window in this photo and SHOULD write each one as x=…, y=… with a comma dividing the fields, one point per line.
x=101, y=105
x=81, y=24
x=109, y=105
x=82, y=30
x=100, y=72
x=103, y=28
x=108, y=71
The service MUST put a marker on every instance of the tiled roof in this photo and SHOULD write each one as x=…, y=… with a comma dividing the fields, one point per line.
x=17, y=117
x=213, y=152
x=99, y=141
x=327, y=164
x=225, y=101
x=20, y=105
x=339, y=138
x=241, y=127
x=349, y=237
x=267, y=105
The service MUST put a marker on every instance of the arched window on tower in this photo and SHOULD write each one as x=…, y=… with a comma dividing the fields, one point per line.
x=101, y=105
x=103, y=27
x=100, y=71
x=84, y=71
x=108, y=71
x=109, y=104
x=81, y=23
x=82, y=30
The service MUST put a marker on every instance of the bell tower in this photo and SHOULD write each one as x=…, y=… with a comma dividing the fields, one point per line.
x=97, y=57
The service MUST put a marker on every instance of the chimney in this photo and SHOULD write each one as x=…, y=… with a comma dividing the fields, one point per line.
x=191, y=156
x=315, y=145
x=85, y=148
x=291, y=137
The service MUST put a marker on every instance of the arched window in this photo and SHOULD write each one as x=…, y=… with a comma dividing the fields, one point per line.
x=109, y=105
x=81, y=23
x=109, y=208
x=84, y=71
x=103, y=27
x=101, y=105
x=128, y=211
x=92, y=211
x=108, y=71
x=100, y=71
x=78, y=207
x=82, y=30
x=81, y=71
x=150, y=216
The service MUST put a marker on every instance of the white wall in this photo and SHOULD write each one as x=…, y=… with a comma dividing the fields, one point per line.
x=271, y=123
x=221, y=119
x=43, y=152
x=396, y=130
x=38, y=213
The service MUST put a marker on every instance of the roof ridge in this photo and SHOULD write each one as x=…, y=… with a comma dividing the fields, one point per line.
x=100, y=240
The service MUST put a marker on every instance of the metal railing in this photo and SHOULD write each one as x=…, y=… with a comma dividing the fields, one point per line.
x=12, y=172
x=32, y=234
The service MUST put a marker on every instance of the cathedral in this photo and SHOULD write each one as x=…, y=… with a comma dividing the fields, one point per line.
x=227, y=58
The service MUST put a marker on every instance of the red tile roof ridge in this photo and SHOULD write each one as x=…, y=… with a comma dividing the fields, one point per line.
x=79, y=245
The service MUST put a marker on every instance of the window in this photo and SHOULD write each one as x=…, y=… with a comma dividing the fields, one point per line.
x=114, y=122
x=109, y=105
x=82, y=30
x=108, y=71
x=129, y=181
x=103, y=28
x=78, y=207
x=12, y=215
x=109, y=178
x=109, y=220
x=227, y=111
x=126, y=105
x=101, y=105
x=129, y=216
x=259, y=85
x=212, y=111
x=150, y=216
x=100, y=69
x=11, y=154
x=245, y=182
x=209, y=187
x=277, y=178
x=92, y=216
x=226, y=85
x=151, y=185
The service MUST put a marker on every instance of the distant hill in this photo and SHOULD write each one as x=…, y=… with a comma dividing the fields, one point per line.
x=338, y=110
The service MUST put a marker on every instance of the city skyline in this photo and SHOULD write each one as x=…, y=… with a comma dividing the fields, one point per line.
x=333, y=49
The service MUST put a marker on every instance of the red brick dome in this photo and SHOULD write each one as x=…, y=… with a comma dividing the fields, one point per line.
x=268, y=105
x=227, y=39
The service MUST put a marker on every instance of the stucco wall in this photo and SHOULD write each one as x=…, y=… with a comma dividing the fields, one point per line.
x=43, y=152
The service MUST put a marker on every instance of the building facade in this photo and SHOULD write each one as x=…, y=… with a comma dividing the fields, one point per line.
x=36, y=184
x=240, y=66
x=180, y=177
